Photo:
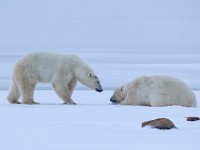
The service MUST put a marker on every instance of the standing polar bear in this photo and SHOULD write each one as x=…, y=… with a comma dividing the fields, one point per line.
x=62, y=71
x=155, y=91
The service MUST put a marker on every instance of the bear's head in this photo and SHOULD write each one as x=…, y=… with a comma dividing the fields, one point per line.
x=118, y=96
x=92, y=81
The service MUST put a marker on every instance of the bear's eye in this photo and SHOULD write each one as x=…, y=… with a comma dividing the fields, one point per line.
x=121, y=89
x=98, y=82
x=90, y=74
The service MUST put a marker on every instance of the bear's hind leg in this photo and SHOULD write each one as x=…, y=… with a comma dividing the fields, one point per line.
x=63, y=93
x=13, y=94
x=27, y=92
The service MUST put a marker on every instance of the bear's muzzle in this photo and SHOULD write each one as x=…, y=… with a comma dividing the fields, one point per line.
x=113, y=100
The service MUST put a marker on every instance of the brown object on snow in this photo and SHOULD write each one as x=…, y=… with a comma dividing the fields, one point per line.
x=160, y=123
x=192, y=118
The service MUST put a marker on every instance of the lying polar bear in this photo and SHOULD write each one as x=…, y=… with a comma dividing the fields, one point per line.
x=155, y=91
x=62, y=71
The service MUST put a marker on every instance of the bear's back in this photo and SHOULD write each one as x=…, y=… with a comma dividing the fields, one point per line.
x=174, y=89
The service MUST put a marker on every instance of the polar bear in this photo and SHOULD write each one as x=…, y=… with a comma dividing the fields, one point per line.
x=155, y=91
x=62, y=71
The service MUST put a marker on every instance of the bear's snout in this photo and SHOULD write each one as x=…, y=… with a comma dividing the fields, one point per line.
x=99, y=87
x=113, y=100
x=99, y=90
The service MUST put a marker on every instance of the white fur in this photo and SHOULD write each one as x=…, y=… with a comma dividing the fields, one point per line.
x=155, y=91
x=62, y=71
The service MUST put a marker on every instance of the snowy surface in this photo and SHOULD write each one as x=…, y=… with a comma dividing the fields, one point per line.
x=120, y=40
x=93, y=124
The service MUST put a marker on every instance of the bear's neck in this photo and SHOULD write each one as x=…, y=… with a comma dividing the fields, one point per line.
x=80, y=73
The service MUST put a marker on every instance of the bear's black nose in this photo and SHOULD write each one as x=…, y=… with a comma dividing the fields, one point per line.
x=99, y=90
x=112, y=100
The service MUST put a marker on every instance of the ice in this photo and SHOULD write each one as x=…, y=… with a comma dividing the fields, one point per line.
x=94, y=123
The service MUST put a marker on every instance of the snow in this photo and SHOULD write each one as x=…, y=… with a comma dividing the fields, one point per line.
x=120, y=40
x=94, y=123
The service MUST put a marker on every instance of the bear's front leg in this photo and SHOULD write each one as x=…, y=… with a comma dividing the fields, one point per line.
x=30, y=102
x=126, y=101
x=63, y=92
x=70, y=102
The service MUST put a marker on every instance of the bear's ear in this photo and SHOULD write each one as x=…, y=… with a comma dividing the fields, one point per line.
x=90, y=74
x=121, y=89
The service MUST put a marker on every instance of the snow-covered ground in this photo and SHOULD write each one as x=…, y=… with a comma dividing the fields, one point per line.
x=94, y=123
x=120, y=40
